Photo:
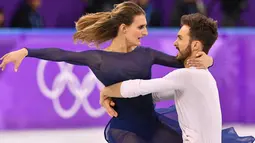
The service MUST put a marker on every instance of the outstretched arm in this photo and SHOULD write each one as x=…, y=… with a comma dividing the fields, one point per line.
x=60, y=55
x=88, y=58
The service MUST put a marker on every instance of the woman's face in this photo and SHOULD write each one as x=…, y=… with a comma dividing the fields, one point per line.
x=136, y=31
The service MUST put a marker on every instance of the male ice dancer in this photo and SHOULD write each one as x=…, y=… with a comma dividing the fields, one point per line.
x=194, y=90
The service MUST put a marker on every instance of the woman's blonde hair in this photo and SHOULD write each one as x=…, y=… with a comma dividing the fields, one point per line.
x=97, y=28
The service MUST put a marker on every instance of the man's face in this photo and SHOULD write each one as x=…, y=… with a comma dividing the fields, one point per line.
x=183, y=43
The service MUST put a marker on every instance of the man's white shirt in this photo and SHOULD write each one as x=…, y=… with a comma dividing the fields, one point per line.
x=196, y=99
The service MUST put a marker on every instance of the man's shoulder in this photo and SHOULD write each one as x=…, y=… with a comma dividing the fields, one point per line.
x=178, y=73
x=183, y=71
x=191, y=72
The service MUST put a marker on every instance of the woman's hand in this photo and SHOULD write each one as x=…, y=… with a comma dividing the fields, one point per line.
x=15, y=57
x=202, y=61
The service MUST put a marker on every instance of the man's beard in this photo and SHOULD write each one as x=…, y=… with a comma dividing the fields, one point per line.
x=183, y=55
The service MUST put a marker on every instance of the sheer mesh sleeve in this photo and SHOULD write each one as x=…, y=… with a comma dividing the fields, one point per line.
x=161, y=58
x=86, y=58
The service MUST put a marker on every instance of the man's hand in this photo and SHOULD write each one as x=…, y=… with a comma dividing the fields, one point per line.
x=107, y=103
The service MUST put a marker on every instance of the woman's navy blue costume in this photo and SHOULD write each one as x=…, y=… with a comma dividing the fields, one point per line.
x=137, y=120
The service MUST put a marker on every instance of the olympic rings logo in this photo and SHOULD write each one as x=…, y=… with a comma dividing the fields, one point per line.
x=67, y=79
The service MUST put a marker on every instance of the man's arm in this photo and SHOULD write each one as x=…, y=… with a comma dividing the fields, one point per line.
x=133, y=88
x=161, y=96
